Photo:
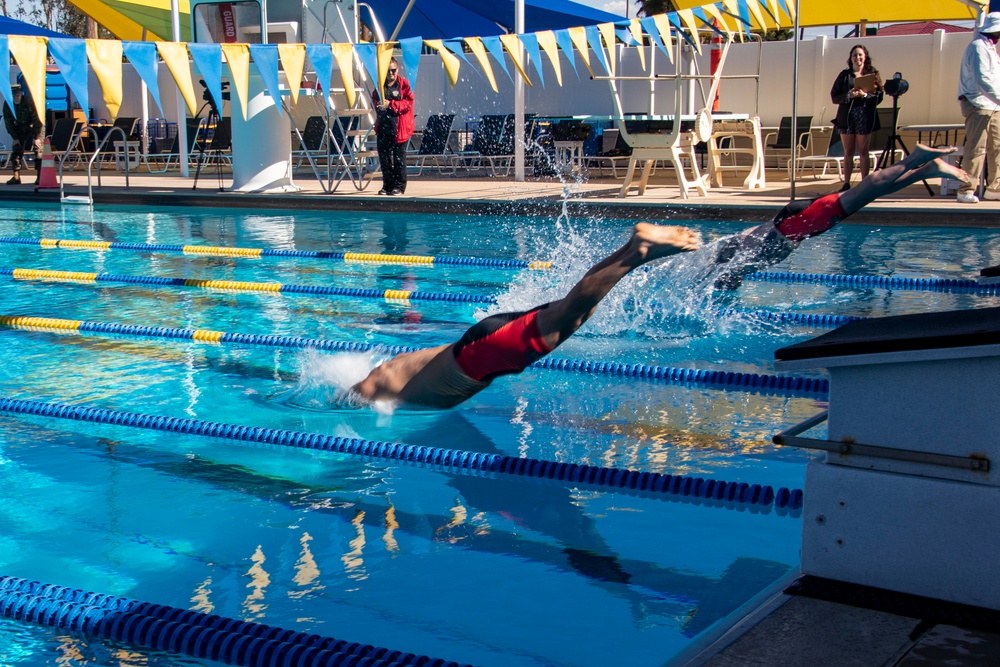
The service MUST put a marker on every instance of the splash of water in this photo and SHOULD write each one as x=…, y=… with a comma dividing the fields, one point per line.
x=325, y=382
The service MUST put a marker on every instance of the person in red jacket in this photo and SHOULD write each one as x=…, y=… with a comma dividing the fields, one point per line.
x=394, y=126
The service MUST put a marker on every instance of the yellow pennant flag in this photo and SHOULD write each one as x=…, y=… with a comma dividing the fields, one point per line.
x=578, y=36
x=384, y=57
x=105, y=57
x=30, y=54
x=663, y=25
x=343, y=55
x=475, y=45
x=757, y=14
x=513, y=45
x=448, y=59
x=547, y=40
x=687, y=17
x=175, y=55
x=607, y=31
x=636, y=29
x=238, y=57
x=720, y=20
x=293, y=61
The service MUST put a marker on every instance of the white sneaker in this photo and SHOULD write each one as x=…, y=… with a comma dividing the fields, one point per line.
x=991, y=195
x=967, y=198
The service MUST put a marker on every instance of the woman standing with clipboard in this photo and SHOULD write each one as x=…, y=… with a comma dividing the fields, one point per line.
x=858, y=91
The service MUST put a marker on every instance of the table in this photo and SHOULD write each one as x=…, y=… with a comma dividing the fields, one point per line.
x=568, y=155
x=933, y=130
x=127, y=150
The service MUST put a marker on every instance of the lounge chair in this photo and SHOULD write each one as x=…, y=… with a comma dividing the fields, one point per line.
x=433, y=143
x=834, y=156
x=779, y=143
x=65, y=141
x=313, y=141
x=492, y=144
x=613, y=150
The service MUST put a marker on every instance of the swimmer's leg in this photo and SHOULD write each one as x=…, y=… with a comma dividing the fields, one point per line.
x=896, y=177
x=563, y=317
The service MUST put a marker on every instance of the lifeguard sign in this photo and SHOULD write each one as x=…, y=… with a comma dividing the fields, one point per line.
x=227, y=22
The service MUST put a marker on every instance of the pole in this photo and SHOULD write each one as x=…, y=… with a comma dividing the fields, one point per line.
x=519, y=99
x=182, y=141
x=795, y=104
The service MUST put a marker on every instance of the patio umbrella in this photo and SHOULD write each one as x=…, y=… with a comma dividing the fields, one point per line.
x=814, y=13
x=9, y=26
x=137, y=20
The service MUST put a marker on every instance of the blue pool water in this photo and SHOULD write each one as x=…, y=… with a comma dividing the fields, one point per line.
x=493, y=571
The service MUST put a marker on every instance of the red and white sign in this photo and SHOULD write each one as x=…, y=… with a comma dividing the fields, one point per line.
x=228, y=16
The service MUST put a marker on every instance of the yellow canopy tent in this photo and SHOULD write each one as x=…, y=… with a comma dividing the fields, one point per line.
x=137, y=20
x=823, y=12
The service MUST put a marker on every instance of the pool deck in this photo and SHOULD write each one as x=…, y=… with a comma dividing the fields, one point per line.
x=475, y=193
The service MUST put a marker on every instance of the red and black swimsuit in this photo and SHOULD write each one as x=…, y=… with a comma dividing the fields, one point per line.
x=500, y=345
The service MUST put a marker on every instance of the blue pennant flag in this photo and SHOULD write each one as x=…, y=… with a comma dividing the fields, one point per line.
x=368, y=53
x=145, y=59
x=530, y=41
x=411, y=48
x=649, y=25
x=566, y=46
x=208, y=59
x=675, y=21
x=265, y=58
x=744, y=15
x=594, y=39
x=71, y=57
x=321, y=58
x=5, y=80
x=625, y=35
x=495, y=48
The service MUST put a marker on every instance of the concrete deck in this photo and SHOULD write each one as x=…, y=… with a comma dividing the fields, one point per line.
x=475, y=193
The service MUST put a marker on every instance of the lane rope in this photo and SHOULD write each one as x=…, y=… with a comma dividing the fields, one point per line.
x=883, y=282
x=711, y=379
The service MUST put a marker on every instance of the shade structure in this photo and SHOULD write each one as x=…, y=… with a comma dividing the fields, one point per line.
x=137, y=20
x=9, y=26
x=814, y=13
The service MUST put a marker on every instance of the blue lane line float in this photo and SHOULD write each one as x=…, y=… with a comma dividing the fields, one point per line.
x=712, y=379
x=613, y=478
x=163, y=628
x=881, y=282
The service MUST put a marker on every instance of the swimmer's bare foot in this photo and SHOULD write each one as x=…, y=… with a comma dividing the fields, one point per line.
x=922, y=153
x=656, y=241
x=938, y=168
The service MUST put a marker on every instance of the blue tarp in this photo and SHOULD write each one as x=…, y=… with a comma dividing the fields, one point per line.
x=443, y=19
x=9, y=26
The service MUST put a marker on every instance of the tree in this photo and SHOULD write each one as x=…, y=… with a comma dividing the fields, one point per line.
x=651, y=7
x=58, y=15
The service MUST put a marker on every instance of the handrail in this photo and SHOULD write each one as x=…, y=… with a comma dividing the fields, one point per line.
x=90, y=163
x=375, y=24
x=73, y=141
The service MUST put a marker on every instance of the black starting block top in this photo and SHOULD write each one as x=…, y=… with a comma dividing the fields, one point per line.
x=990, y=272
x=901, y=333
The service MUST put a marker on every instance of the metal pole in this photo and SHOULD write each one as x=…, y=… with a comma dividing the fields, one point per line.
x=519, y=99
x=795, y=103
x=402, y=19
x=182, y=143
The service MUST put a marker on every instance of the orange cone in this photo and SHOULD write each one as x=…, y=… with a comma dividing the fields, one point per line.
x=47, y=177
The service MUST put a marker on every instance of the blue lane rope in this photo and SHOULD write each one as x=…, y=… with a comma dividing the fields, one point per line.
x=710, y=379
x=228, y=251
x=163, y=628
x=805, y=319
x=654, y=483
x=883, y=282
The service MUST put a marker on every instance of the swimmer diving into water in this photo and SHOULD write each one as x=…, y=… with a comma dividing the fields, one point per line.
x=507, y=343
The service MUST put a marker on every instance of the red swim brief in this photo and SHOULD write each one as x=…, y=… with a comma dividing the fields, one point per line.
x=800, y=220
x=500, y=345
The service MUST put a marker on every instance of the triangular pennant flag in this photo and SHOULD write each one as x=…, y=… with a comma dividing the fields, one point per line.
x=578, y=36
x=547, y=40
x=771, y=7
x=29, y=52
x=71, y=57
x=208, y=60
x=594, y=40
x=106, y=58
x=343, y=54
x=750, y=8
x=411, y=48
x=607, y=31
x=513, y=46
x=238, y=58
x=649, y=25
x=368, y=54
x=635, y=27
x=674, y=21
x=145, y=62
x=495, y=48
x=566, y=44
x=624, y=34
x=687, y=18
x=699, y=13
x=455, y=46
x=384, y=59
x=450, y=62
x=175, y=55
x=789, y=9
x=479, y=51
x=265, y=58
x=321, y=57
x=5, y=90
x=719, y=19
x=293, y=61
x=530, y=41
x=731, y=8
x=664, y=28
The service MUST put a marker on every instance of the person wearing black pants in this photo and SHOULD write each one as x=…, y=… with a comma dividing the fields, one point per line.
x=394, y=126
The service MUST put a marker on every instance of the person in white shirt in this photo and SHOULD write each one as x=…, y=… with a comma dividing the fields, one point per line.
x=979, y=97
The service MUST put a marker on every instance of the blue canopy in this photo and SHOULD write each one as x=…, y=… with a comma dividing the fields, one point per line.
x=443, y=19
x=9, y=26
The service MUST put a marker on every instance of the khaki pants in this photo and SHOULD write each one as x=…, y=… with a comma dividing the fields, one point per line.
x=982, y=141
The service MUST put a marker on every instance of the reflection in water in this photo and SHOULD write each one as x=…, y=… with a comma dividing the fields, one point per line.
x=354, y=564
x=200, y=600
x=388, y=537
x=253, y=606
x=306, y=571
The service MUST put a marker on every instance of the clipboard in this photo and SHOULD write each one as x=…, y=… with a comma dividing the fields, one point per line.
x=866, y=83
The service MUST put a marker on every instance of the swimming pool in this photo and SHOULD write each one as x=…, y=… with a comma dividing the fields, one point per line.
x=484, y=569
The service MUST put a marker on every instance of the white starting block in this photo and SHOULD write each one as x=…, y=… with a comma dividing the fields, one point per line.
x=906, y=497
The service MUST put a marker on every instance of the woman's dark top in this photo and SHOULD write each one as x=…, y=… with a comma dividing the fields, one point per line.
x=855, y=115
